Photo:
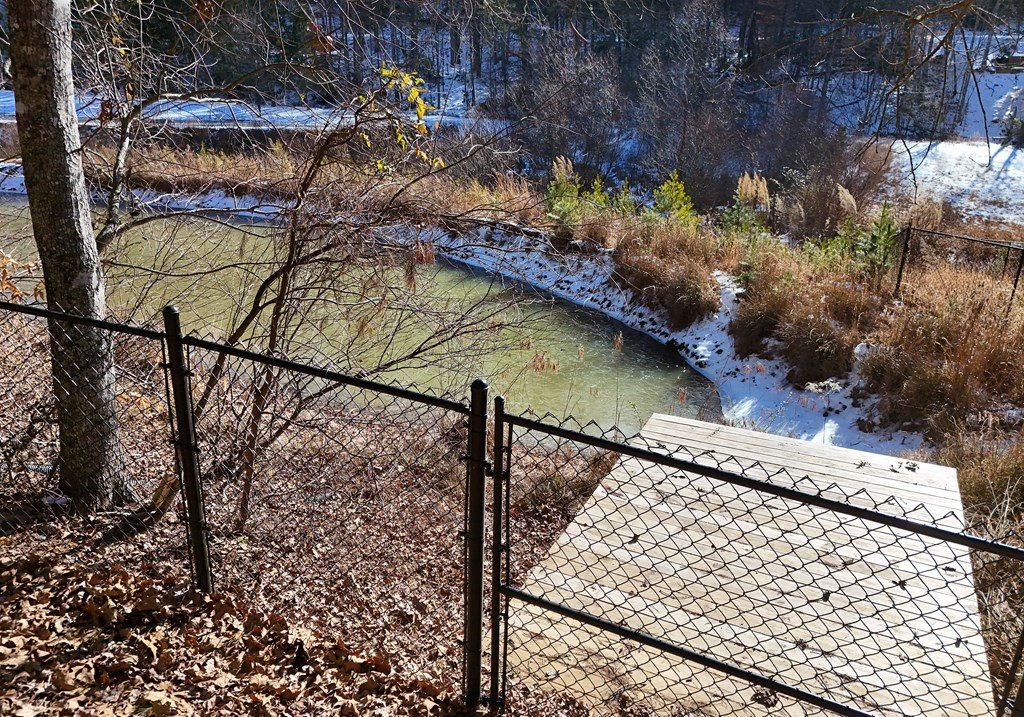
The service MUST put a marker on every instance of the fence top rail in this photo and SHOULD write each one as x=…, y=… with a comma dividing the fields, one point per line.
x=41, y=312
x=669, y=461
x=977, y=240
x=314, y=371
x=328, y=375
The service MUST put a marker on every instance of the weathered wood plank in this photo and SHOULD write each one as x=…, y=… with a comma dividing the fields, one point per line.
x=867, y=615
x=692, y=432
x=915, y=486
x=571, y=657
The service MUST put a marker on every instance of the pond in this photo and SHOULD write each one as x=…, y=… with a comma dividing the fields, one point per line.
x=544, y=354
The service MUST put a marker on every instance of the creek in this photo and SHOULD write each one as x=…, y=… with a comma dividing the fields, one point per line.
x=547, y=354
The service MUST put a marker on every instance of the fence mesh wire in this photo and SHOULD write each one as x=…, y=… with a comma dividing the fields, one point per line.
x=873, y=617
x=961, y=269
x=338, y=507
x=82, y=383
x=344, y=509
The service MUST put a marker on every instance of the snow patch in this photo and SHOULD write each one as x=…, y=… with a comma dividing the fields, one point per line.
x=978, y=178
x=754, y=392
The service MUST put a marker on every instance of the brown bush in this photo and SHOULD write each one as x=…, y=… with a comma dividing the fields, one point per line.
x=815, y=314
x=948, y=350
x=684, y=290
x=837, y=178
x=769, y=295
x=990, y=467
x=669, y=264
x=851, y=304
x=815, y=346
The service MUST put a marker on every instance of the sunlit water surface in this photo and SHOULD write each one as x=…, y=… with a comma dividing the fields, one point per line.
x=553, y=357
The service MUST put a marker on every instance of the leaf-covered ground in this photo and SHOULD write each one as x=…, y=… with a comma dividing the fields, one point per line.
x=115, y=641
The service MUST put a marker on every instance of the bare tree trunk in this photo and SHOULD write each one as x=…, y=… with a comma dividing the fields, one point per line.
x=91, y=462
x=454, y=44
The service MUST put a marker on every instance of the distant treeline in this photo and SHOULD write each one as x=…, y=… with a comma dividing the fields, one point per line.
x=628, y=89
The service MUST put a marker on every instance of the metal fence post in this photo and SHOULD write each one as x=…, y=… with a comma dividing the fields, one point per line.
x=476, y=476
x=1018, y=701
x=497, y=545
x=1004, y=699
x=187, y=450
x=1016, y=280
x=903, y=259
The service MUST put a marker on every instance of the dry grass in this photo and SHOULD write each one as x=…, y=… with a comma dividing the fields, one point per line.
x=927, y=212
x=505, y=198
x=603, y=228
x=406, y=190
x=10, y=148
x=164, y=168
x=990, y=464
x=813, y=203
x=669, y=264
x=949, y=350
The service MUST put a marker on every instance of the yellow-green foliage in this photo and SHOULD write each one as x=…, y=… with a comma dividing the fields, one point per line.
x=867, y=252
x=747, y=218
x=672, y=202
x=563, y=193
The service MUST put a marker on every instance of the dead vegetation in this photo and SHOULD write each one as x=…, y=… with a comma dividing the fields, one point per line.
x=118, y=641
x=990, y=464
x=669, y=265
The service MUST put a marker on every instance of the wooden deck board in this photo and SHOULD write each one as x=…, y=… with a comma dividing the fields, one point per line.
x=917, y=486
x=867, y=615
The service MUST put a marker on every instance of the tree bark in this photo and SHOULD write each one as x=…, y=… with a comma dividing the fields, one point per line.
x=454, y=44
x=91, y=463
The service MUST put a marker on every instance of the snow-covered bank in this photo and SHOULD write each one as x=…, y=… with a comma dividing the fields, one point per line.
x=226, y=114
x=978, y=178
x=754, y=392
x=12, y=179
x=242, y=206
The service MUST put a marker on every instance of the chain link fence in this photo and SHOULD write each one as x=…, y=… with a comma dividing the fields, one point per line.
x=339, y=505
x=102, y=387
x=952, y=267
x=712, y=578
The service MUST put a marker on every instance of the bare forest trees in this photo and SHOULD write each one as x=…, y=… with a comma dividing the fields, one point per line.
x=333, y=278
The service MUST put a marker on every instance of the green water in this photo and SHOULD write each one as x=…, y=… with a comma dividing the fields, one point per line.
x=541, y=353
